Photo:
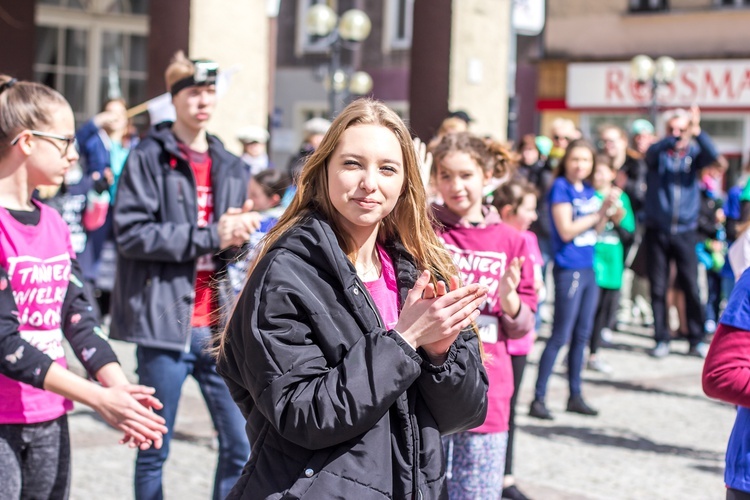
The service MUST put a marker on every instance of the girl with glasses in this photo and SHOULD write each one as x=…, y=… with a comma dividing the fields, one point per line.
x=42, y=300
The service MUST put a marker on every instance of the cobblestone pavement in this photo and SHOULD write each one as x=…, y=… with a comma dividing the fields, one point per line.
x=657, y=435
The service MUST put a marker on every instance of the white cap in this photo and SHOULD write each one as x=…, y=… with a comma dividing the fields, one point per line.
x=252, y=133
x=316, y=126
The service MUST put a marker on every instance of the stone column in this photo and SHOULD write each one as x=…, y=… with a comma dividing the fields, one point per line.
x=459, y=61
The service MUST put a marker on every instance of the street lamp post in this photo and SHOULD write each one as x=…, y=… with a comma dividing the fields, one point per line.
x=338, y=33
x=646, y=71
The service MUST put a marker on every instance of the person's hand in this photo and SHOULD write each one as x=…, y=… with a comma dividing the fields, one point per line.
x=237, y=224
x=508, y=287
x=105, y=119
x=424, y=159
x=721, y=217
x=511, y=277
x=621, y=179
x=434, y=323
x=695, y=120
x=129, y=408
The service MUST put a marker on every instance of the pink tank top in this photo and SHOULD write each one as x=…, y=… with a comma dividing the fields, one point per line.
x=37, y=259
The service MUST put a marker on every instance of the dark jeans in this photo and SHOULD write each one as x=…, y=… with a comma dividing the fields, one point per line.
x=35, y=460
x=519, y=365
x=166, y=371
x=606, y=314
x=715, y=286
x=576, y=297
x=663, y=248
x=733, y=494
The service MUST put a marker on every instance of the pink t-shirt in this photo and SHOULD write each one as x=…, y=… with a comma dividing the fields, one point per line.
x=523, y=346
x=481, y=255
x=38, y=260
x=384, y=290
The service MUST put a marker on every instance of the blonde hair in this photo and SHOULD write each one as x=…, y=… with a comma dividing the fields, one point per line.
x=24, y=105
x=409, y=221
x=179, y=67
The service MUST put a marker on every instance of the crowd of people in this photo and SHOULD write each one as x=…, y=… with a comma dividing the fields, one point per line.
x=358, y=321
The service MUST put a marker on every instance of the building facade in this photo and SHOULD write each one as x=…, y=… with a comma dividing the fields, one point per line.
x=92, y=49
x=584, y=66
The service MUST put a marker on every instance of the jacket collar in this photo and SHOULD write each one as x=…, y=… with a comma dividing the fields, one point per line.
x=162, y=133
x=314, y=241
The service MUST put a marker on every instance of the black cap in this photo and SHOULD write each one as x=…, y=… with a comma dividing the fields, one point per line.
x=462, y=115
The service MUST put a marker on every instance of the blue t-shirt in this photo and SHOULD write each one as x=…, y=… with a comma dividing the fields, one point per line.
x=578, y=253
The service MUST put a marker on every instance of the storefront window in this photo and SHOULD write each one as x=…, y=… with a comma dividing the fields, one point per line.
x=87, y=62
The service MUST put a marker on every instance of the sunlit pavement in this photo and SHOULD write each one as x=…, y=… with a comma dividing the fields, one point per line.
x=657, y=435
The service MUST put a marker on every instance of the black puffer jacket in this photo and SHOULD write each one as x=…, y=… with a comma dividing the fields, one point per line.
x=338, y=407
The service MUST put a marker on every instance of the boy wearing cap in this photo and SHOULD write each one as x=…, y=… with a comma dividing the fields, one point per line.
x=177, y=215
x=254, y=153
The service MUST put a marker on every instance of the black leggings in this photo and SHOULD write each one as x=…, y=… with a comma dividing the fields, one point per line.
x=519, y=365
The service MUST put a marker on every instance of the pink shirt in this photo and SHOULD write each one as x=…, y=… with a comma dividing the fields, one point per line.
x=384, y=290
x=38, y=260
x=523, y=346
x=481, y=255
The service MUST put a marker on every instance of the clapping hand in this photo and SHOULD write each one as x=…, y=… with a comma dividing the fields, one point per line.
x=424, y=159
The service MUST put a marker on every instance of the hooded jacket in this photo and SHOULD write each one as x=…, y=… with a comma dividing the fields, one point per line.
x=338, y=407
x=159, y=241
x=673, y=196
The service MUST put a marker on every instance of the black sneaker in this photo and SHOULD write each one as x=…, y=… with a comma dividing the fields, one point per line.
x=578, y=405
x=513, y=493
x=539, y=410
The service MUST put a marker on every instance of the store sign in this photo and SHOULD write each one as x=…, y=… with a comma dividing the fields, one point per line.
x=717, y=84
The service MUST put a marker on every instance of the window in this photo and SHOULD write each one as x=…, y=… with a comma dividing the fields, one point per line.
x=399, y=22
x=90, y=51
x=109, y=6
x=733, y=3
x=306, y=43
x=648, y=5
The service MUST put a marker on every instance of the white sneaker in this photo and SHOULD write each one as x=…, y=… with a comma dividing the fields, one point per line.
x=661, y=350
x=597, y=365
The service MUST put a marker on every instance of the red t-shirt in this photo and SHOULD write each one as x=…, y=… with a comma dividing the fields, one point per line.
x=204, y=305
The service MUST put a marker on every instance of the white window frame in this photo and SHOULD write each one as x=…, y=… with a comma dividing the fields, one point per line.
x=391, y=40
x=303, y=42
x=95, y=23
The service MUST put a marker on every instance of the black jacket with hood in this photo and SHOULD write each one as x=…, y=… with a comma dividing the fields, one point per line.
x=338, y=407
x=159, y=241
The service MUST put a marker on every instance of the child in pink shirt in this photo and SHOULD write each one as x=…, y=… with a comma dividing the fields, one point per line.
x=516, y=202
x=489, y=252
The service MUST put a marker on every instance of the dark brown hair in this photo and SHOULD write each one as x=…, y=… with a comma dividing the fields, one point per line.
x=512, y=193
x=273, y=181
x=578, y=143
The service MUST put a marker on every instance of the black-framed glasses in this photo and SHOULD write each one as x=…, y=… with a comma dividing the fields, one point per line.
x=46, y=135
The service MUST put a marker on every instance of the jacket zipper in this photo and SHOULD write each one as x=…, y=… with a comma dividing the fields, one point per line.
x=416, y=492
x=191, y=309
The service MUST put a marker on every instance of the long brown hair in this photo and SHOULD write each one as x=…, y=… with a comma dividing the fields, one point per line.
x=409, y=221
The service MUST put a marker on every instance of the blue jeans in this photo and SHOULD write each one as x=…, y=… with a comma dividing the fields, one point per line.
x=166, y=371
x=576, y=297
